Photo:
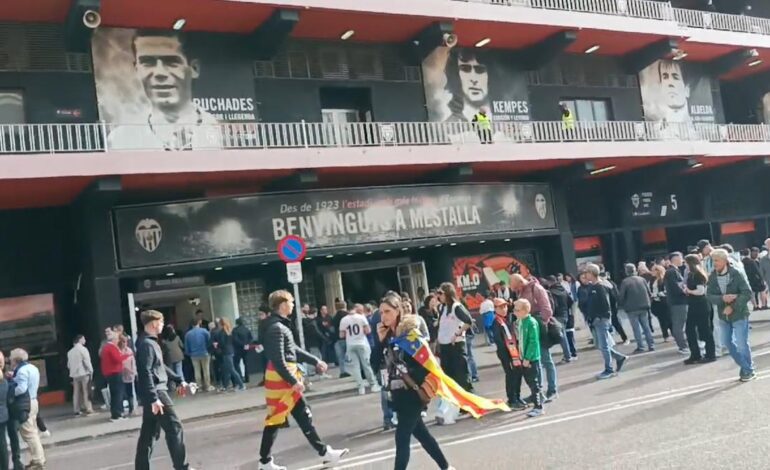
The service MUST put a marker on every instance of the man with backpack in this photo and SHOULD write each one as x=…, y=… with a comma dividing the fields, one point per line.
x=562, y=311
x=542, y=310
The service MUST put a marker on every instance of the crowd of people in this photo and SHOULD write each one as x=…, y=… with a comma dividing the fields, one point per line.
x=408, y=355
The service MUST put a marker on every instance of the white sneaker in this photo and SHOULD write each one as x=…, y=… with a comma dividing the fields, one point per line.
x=376, y=388
x=362, y=390
x=271, y=465
x=333, y=456
x=45, y=433
x=394, y=420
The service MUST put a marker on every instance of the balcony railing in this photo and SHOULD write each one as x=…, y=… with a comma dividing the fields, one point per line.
x=651, y=10
x=64, y=138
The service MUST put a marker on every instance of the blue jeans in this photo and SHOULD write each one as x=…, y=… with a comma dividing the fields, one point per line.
x=640, y=323
x=228, y=372
x=546, y=362
x=472, y=369
x=340, y=349
x=177, y=367
x=605, y=343
x=387, y=411
x=735, y=335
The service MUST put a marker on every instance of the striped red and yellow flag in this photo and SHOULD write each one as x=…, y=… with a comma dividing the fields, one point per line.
x=444, y=385
x=279, y=395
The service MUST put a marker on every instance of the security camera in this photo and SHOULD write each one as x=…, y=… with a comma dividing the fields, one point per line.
x=450, y=39
x=92, y=19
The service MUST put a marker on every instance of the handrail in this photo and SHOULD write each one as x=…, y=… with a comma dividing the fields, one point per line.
x=67, y=138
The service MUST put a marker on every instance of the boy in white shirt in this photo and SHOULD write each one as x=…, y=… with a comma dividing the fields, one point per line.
x=354, y=329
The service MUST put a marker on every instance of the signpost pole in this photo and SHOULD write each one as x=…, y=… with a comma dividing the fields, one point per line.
x=298, y=309
x=292, y=250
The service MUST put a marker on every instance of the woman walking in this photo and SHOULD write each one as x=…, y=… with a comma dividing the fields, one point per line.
x=453, y=323
x=224, y=339
x=405, y=377
x=129, y=373
x=659, y=304
x=698, y=313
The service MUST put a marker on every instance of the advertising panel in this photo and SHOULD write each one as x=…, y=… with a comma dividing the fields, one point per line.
x=226, y=227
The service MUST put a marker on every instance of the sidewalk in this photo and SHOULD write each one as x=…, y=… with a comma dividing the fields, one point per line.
x=66, y=429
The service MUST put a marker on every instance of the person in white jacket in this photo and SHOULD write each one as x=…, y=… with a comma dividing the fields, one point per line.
x=81, y=372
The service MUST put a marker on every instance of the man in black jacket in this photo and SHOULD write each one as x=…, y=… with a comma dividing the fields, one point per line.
x=159, y=411
x=242, y=339
x=599, y=316
x=283, y=356
x=677, y=300
x=562, y=311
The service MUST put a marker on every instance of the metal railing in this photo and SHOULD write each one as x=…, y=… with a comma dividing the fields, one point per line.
x=721, y=21
x=63, y=138
x=651, y=10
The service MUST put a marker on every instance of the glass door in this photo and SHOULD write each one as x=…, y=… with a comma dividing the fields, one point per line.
x=339, y=132
x=224, y=302
x=413, y=280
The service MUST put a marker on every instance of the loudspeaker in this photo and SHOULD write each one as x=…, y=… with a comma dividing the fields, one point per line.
x=82, y=19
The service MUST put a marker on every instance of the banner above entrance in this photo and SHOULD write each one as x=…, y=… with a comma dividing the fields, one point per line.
x=242, y=226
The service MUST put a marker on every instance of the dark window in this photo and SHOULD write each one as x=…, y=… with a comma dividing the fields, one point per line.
x=597, y=110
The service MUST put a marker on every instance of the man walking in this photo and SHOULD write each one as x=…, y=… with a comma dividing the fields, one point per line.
x=26, y=379
x=677, y=300
x=540, y=303
x=599, y=316
x=158, y=410
x=284, y=388
x=764, y=268
x=635, y=298
x=196, y=345
x=354, y=329
x=81, y=373
x=242, y=339
x=728, y=290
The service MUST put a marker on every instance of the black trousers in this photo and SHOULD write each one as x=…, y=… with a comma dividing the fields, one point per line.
x=660, y=310
x=454, y=361
x=410, y=424
x=698, y=327
x=532, y=377
x=618, y=326
x=304, y=418
x=117, y=388
x=240, y=355
x=172, y=428
x=510, y=380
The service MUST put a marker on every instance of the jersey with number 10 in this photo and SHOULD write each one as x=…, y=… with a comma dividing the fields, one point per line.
x=354, y=326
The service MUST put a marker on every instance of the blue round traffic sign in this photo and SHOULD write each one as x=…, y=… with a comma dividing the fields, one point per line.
x=292, y=249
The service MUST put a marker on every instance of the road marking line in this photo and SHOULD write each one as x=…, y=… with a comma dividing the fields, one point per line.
x=561, y=418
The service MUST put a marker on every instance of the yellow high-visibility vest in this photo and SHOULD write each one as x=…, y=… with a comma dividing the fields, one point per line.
x=483, y=121
x=568, y=121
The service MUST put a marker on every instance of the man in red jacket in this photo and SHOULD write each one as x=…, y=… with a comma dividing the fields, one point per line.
x=112, y=368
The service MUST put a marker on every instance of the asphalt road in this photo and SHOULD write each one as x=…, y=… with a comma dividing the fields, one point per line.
x=656, y=414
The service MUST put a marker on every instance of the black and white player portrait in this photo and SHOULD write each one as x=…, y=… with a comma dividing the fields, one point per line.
x=674, y=93
x=150, y=92
x=541, y=206
x=459, y=82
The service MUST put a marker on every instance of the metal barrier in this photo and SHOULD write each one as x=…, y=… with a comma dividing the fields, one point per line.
x=63, y=138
